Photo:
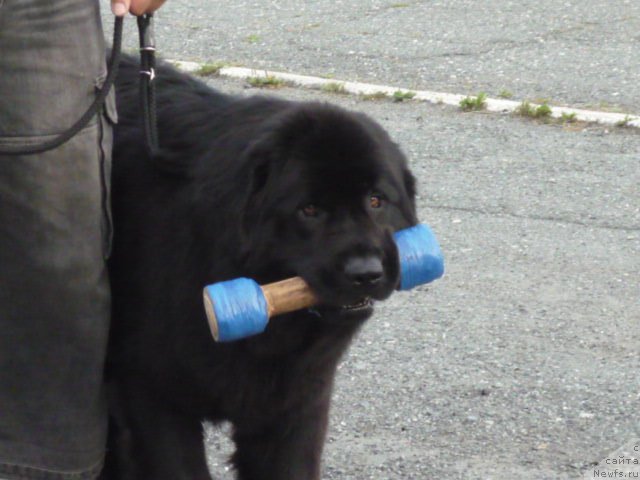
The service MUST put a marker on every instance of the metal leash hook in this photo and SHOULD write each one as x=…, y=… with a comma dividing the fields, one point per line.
x=147, y=77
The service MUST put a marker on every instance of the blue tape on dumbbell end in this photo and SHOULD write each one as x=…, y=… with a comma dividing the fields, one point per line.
x=421, y=259
x=240, y=308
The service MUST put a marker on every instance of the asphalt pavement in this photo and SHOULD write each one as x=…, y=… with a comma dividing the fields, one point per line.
x=523, y=361
x=583, y=53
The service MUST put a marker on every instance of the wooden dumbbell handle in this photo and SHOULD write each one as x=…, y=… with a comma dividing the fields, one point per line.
x=288, y=296
x=280, y=297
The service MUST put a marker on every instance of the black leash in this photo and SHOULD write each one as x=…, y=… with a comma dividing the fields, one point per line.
x=147, y=92
x=147, y=85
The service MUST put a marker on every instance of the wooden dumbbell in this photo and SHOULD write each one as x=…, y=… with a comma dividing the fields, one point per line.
x=240, y=308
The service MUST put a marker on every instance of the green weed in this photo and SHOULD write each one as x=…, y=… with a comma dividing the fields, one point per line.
x=269, y=81
x=624, y=122
x=540, y=112
x=334, y=87
x=374, y=96
x=209, y=69
x=478, y=102
x=400, y=96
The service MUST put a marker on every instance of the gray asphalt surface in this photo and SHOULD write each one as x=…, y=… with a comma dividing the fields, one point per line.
x=578, y=52
x=523, y=362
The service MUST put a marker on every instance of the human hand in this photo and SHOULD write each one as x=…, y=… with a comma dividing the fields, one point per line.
x=136, y=7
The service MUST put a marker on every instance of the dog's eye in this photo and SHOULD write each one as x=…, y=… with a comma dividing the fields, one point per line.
x=375, y=201
x=310, y=210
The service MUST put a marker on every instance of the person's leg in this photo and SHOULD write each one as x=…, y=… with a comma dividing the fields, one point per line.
x=54, y=236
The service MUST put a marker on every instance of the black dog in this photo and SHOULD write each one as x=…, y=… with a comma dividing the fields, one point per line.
x=255, y=187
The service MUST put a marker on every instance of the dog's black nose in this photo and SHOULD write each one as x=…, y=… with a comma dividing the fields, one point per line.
x=364, y=271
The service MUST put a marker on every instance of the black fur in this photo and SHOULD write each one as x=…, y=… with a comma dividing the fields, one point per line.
x=256, y=187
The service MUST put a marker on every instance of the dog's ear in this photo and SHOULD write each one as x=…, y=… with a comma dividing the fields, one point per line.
x=258, y=160
x=258, y=171
x=409, y=184
x=410, y=187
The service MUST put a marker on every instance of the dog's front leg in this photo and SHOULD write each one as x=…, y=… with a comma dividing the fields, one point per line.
x=290, y=448
x=162, y=442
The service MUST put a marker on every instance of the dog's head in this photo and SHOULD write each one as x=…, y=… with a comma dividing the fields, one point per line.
x=329, y=188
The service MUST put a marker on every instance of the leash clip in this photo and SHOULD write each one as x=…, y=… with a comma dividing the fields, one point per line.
x=151, y=73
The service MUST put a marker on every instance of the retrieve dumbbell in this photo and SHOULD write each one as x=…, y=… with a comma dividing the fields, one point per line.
x=240, y=308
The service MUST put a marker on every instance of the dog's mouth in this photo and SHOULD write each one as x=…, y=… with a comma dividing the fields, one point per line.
x=360, y=309
x=363, y=304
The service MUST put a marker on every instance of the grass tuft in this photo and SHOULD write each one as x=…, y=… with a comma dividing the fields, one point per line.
x=624, y=122
x=543, y=111
x=269, y=81
x=540, y=112
x=374, y=96
x=334, y=87
x=478, y=102
x=209, y=69
x=400, y=96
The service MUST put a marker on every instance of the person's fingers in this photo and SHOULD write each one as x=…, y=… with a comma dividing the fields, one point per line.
x=120, y=7
x=140, y=7
x=136, y=7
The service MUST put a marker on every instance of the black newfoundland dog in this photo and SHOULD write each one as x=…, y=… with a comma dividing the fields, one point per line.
x=256, y=187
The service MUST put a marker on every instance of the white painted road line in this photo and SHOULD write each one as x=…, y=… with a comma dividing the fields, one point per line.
x=357, y=88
